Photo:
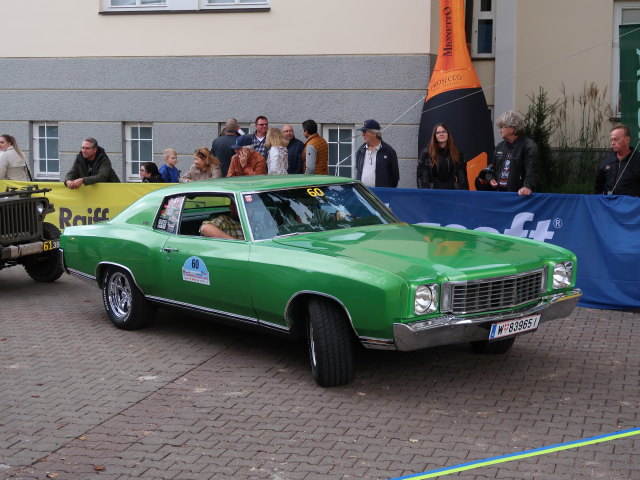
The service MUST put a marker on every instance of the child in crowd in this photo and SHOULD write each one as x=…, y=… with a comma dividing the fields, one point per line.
x=168, y=171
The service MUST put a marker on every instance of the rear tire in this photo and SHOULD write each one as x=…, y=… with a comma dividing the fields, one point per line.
x=497, y=347
x=125, y=305
x=331, y=352
x=47, y=266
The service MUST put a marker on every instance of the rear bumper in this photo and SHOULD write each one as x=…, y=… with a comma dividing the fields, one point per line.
x=450, y=330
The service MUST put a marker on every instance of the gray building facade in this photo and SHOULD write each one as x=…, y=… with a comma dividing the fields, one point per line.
x=138, y=106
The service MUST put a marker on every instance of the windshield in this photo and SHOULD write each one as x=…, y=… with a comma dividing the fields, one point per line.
x=313, y=209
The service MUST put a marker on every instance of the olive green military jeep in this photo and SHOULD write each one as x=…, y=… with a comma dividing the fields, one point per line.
x=25, y=238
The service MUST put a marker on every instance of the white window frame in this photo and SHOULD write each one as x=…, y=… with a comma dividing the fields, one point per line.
x=234, y=4
x=615, y=63
x=351, y=160
x=185, y=6
x=36, y=154
x=476, y=17
x=129, y=162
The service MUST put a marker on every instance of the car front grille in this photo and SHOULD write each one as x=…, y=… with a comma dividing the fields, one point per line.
x=19, y=222
x=489, y=294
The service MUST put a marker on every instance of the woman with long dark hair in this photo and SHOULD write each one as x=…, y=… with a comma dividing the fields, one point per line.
x=441, y=164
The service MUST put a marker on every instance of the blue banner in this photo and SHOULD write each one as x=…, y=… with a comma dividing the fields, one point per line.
x=603, y=231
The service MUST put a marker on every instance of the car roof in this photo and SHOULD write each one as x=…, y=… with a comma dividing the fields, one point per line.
x=255, y=183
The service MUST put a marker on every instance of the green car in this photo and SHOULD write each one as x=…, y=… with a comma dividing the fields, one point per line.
x=319, y=258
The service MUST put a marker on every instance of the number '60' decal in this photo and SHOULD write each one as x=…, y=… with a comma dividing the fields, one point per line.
x=315, y=192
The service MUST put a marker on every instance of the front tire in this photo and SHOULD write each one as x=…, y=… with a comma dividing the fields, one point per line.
x=331, y=352
x=497, y=347
x=47, y=266
x=125, y=305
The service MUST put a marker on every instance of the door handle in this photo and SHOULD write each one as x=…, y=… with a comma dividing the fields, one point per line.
x=169, y=249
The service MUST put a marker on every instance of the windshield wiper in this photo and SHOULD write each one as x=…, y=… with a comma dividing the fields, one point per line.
x=291, y=234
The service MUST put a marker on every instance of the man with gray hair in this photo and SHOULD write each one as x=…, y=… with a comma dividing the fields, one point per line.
x=376, y=161
x=92, y=165
x=515, y=160
x=221, y=146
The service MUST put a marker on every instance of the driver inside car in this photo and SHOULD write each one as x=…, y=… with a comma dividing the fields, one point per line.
x=224, y=226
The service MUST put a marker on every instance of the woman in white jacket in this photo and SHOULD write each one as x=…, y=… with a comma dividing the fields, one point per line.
x=13, y=164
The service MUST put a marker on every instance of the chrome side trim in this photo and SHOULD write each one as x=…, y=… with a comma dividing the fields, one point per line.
x=219, y=313
x=198, y=308
x=447, y=330
x=81, y=275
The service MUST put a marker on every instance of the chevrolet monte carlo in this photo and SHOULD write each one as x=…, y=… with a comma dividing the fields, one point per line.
x=320, y=258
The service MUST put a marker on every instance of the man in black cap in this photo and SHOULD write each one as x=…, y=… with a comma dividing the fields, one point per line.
x=376, y=161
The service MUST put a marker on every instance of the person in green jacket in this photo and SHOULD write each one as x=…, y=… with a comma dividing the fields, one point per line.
x=92, y=165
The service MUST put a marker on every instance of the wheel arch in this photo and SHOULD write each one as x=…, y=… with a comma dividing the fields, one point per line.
x=297, y=311
x=103, y=266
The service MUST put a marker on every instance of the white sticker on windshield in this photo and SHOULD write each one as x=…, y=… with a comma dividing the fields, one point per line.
x=194, y=270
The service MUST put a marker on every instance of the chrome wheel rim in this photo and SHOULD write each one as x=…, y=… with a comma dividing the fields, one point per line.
x=119, y=294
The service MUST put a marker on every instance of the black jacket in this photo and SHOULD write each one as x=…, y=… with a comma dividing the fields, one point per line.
x=619, y=176
x=294, y=152
x=523, y=166
x=387, y=172
x=95, y=171
x=444, y=174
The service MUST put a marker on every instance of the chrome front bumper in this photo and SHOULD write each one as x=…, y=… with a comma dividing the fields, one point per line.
x=448, y=330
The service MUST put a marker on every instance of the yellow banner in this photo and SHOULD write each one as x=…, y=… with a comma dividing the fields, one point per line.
x=90, y=203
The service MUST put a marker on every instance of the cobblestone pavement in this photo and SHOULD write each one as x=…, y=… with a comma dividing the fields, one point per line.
x=187, y=399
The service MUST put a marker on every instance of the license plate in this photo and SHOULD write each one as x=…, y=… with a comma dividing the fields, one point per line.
x=511, y=327
x=51, y=245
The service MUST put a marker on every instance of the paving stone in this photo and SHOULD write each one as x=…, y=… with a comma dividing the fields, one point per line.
x=188, y=399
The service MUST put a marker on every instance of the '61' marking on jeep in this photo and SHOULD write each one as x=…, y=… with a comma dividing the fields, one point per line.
x=51, y=245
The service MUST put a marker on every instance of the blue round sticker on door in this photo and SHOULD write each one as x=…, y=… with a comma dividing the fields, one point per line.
x=194, y=270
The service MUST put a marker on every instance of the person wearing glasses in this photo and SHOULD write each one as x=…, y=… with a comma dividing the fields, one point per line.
x=205, y=167
x=92, y=165
x=515, y=160
x=259, y=137
x=376, y=161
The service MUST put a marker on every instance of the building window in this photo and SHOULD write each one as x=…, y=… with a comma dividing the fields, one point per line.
x=45, y=150
x=137, y=3
x=154, y=6
x=341, y=149
x=139, y=148
x=627, y=13
x=482, y=14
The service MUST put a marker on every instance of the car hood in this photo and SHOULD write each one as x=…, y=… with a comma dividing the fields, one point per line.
x=418, y=252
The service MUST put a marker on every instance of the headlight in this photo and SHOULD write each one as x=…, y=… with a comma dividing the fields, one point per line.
x=562, y=274
x=426, y=300
x=40, y=208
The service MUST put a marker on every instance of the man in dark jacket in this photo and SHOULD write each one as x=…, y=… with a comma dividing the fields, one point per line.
x=619, y=172
x=515, y=160
x=376, y=161
x=294, y=150
x=221, y=146
x=90, y=166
